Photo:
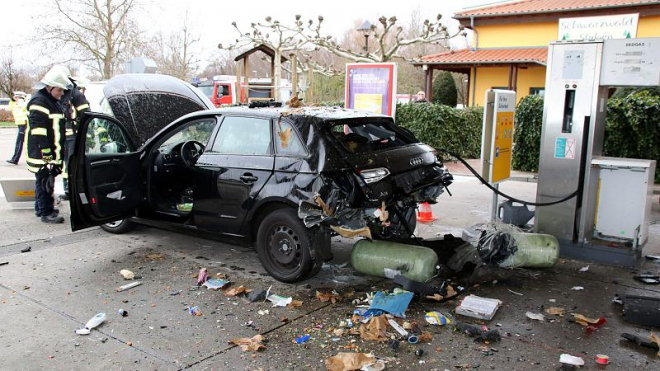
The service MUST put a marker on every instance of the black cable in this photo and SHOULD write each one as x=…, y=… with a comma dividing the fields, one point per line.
x=459, y=158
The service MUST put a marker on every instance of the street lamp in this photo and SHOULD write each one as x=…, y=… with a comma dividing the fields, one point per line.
x=366, y=30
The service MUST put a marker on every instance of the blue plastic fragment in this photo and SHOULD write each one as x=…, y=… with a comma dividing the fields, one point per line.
x=302, y=339
x=395, y=305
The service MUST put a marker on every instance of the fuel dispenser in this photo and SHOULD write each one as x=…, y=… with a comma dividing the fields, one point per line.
x=607, y=221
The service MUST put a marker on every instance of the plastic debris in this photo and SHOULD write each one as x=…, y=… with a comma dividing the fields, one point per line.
x=128, y=275
x=302, y=339
x=349, y=361
x=482, y=334
x=654, y=342
x=397, y=327
x=378, y=366
x=584, y=269
x=413, y=339
x=216, y=283
x=257, y=295
x=535, y=316
x=649, y=279
x=128, y=286
x=4, y=263
x=27, y=249
x=92, y=323
x=202, y=276
x=436, y=318
x=280, y=301
x=602, y=359
x=395, y=305
x=478, y=307
x=194, y=311
x=419, y=352
x=123, y=312
x=263, y=312
x=577, y=288
x=328, y=296
x=571, y=360
x=250, y=344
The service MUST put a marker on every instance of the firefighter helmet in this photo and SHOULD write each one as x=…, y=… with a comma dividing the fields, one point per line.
x=57, y=76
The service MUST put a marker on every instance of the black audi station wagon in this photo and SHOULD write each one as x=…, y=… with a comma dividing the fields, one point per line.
x=285, y=179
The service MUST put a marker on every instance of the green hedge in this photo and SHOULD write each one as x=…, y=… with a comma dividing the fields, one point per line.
x=527, y=133
x=633, y=127
x=441, y=126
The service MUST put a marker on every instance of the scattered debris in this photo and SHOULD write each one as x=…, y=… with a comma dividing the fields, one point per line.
x=394, y=304
x=256, y=295
x=425, y=337
x=375, y=329
x=584, y=269
x=571, y=360
x=280, y=301
x=535, y=316
x=235, y=291
x=195, y=311
x=349, y=361
x=27, y=249
x=128, y=286
x=92, y=323
x=328, y=296
x=649, y=279
x=4, y=263
x=202, y=276
x=436, y=318
x=397, y=327
x=652, y=257
x=577, y=288
x=128, y=275
x=123, y=312
x=216, y=283
x=515, y=293
x=641, y=310
x=557, y=311
x=302, y=339
x=482, y=334
x=654, y=343
x=295, y=304
x=263, y=312
x=602, y=359
x=478, y=307
x=250, y=344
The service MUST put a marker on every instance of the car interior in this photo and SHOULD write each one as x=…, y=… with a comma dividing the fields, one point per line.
x=171, y=176
x=362, y=136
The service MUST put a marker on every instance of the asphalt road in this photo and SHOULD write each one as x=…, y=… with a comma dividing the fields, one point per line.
x=67, y=278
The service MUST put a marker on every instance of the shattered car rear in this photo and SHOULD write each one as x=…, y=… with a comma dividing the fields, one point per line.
x=380, y=176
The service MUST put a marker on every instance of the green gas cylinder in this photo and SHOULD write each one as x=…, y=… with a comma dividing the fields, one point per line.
x=534, y=250
x=389, y=259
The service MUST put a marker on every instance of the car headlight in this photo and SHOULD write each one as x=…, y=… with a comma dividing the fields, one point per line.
x=374, y=175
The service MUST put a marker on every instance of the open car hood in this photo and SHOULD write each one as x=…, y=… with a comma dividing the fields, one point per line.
x=146, y=103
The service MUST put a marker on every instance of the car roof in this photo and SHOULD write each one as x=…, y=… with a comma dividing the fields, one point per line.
x=318, y=113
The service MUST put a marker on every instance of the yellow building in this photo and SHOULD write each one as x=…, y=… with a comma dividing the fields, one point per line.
x=510, y=39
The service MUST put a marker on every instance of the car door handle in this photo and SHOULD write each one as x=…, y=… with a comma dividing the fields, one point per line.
x=248, y=178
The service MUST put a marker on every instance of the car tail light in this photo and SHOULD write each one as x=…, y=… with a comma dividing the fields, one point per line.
x=374, y=175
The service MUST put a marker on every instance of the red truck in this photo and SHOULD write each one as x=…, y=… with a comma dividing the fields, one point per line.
x=221, y=92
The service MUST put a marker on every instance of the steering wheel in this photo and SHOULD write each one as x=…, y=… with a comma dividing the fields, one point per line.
x=190, y=152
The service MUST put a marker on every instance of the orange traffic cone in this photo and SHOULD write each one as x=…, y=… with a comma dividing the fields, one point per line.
x=425, y=213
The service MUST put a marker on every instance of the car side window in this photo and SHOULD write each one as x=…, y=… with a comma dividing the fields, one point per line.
x=287, y=142
x=104, y=136
x=243, y=136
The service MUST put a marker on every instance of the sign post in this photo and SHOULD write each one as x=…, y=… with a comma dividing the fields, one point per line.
x=497, y=139
x=371, y=87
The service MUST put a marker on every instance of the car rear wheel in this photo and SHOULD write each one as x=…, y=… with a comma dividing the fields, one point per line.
x=284, y=247
x=118, y=226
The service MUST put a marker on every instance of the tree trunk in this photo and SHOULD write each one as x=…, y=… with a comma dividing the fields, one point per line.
x=278, y=73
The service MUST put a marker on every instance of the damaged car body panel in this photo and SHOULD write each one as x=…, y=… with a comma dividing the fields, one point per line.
x=284, y=179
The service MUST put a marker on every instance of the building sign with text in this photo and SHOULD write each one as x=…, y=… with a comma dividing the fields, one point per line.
x=371, y=87
x=620, y=26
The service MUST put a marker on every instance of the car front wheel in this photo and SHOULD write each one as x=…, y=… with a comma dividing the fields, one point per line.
x=118, y=226
x=284, y=247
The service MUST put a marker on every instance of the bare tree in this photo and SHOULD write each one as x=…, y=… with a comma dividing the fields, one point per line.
x=12, y=78
x=174, y=52
x=390, y=40
x=284, y=40
x=101, y=32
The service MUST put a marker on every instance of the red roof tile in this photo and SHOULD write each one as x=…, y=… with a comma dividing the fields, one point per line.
x=548, y=6
x=489, y=56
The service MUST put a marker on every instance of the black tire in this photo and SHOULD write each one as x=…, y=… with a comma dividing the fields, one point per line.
x=284, y=247
x=397, y=230
x=119, y=226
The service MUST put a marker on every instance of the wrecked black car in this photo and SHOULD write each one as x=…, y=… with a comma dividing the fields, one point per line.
x=285, y=179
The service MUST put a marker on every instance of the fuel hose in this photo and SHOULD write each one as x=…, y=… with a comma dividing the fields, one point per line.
x=476, y=174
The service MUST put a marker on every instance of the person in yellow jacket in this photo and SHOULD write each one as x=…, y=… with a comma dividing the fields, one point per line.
x=45, y=139
x=19, y=112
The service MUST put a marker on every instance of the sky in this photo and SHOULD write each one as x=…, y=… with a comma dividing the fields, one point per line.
x=213, y=18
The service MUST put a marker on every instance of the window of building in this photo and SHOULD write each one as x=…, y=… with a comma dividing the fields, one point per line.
x=537, y=91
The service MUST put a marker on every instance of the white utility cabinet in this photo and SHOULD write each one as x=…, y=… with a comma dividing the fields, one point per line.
x=625, y=189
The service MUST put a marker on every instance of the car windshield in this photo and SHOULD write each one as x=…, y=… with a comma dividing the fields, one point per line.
x=369, y=134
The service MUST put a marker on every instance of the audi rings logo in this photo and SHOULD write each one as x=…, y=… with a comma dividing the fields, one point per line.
x=416, y=161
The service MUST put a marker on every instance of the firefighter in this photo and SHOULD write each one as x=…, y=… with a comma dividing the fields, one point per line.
x=45, y=139
x=76, y=104
x=20, y=118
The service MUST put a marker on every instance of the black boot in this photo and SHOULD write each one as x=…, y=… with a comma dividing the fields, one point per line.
x=52, y=219
x=12, y=162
